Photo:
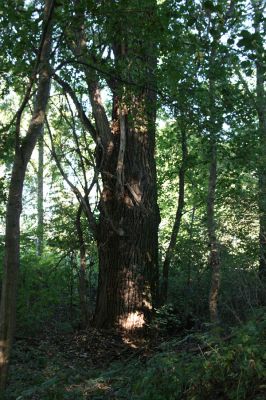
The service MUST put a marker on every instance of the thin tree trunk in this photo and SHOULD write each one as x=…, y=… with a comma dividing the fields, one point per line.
x=178, y=217
x=214, y=261
x=40, y=230
x=14, y=205
x=82, y=271
x=261, y=110
x=190, y=246
x=262, y=208
x=215, y=125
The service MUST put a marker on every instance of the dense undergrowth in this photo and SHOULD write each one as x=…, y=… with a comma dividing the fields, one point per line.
x=195, y=365
x=181, y=357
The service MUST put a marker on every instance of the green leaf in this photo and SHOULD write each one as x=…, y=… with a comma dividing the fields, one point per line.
x=245, y=64
x=208, y=5
x=230, y=41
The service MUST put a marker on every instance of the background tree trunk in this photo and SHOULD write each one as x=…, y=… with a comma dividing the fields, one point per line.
x=82, y=271
x=261, y=110
x=214, y=261
x=40, y=228
x=178, y=217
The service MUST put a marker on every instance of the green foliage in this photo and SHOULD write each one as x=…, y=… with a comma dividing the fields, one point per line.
x=47, y=291
x=230, y=368
x=166, y=320
x=46, y=375
x=199, y=366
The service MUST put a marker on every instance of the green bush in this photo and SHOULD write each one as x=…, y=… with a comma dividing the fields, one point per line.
x=47, y=288
x=232, y=368
x=166, y=320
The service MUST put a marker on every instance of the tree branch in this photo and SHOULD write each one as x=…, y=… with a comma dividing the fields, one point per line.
x=81, y=113
x=82, y=199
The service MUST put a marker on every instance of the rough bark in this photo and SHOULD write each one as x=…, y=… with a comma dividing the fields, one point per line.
x=128, y=276
x=14, y=205
x=129, y=218
x=127, y=236
x=178, y=217
x=128, y=254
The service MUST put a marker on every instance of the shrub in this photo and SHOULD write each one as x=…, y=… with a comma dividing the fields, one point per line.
x=217, y=368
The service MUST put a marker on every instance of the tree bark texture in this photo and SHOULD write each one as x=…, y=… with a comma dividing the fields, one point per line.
x=178, y=217
x=14, y=205
x=127, y=234
x=127, y=243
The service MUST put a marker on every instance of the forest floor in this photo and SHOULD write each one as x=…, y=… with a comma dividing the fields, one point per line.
x=198, y=364
x=82, y=365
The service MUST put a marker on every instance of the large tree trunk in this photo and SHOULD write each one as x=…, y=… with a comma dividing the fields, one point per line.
x=14, y=205
x=129, y=214
x=128, y=241
x=127, y=234
x=129, y=218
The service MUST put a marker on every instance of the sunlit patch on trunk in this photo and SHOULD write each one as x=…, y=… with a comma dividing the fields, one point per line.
x=3, y=347
x=133, y=320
